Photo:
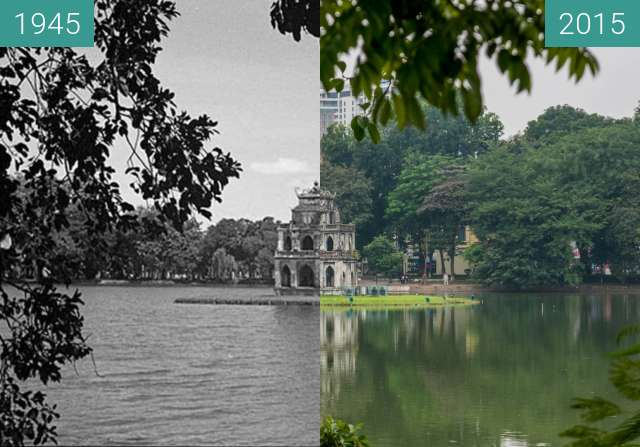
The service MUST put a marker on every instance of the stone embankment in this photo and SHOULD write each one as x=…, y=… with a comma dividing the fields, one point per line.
x=469, y=289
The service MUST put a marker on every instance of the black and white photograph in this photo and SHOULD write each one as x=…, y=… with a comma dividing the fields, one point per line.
x=143, y=184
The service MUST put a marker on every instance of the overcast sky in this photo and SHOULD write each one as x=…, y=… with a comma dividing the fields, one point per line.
x=224, y=59
x=614, y=91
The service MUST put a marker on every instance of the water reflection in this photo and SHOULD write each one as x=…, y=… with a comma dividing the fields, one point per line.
x=502, y=373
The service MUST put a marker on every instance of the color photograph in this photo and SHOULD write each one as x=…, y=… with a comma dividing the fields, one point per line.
x=493, y=183
x=144, y=184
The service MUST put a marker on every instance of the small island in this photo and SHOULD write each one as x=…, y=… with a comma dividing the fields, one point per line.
x=395, y=301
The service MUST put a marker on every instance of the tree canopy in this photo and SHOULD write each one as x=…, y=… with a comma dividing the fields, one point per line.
x=530, y=204
x=383, y=256
x=556, y=204
x=401, y=168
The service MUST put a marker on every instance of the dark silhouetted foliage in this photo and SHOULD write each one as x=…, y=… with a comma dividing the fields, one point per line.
x=295, y=16
x=61, y=113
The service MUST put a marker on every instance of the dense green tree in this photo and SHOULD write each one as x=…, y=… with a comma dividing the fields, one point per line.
x=558, y=121
x=338, y=146
x=383, y=256
x=427, y=202
x=529, y=204
x=524, y=222
x=445, y=210
x=381, y=164
x=353, y=192
x=430, y=50
x=450, y=135
x=419, y=175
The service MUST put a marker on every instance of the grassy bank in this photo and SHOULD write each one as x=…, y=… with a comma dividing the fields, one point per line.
x=396, y=300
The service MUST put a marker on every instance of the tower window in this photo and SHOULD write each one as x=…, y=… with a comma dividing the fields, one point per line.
x=329, y=243
x=307, y=243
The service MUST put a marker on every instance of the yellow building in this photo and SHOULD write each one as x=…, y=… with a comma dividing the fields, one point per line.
x=461, y=266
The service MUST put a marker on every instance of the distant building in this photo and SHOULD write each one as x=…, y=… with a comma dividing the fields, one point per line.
x=414, y=262
x=461, y=265
x=316, y=251
x=340, y=107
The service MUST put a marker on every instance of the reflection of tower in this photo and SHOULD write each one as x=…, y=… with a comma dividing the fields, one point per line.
x=338, y=349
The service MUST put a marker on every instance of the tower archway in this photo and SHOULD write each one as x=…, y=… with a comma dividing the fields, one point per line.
x=329, y=277
x=306, y=276
x=285, y=276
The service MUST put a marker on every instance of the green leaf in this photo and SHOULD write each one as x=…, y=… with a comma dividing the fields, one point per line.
x=472, y=103
x=385, y=111
x=373, y=132
x=399, y=109
x=358, y=130
x=595, y=409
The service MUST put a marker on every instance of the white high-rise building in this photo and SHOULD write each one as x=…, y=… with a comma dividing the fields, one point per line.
x=340, y=107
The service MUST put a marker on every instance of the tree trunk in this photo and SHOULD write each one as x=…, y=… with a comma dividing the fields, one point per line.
x=444, y=267
x=427, y=273
x=452, y=258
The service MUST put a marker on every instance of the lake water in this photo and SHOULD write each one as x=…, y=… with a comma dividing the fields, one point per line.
x=502, y=373
x=192, y=374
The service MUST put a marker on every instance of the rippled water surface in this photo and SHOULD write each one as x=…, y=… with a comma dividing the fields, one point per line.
x=192, y=374
x=498, y=374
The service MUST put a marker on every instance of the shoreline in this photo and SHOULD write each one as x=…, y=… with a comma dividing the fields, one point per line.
x=396, y=301
x=291, y=300
x=158, y=283
x=478, y=289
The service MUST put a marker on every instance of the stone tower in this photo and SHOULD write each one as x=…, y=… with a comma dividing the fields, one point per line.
x=316, y=251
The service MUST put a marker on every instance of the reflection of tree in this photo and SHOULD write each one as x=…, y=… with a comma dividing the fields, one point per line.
x=498, y=373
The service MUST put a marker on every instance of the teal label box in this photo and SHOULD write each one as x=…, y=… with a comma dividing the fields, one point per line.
x=46, y=23
x=592, y=23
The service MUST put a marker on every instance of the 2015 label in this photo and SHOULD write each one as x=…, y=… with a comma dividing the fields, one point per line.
x=582, y=23
x=591, y=23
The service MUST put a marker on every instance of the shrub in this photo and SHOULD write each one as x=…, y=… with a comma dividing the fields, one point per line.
x=337, y=433
x=595, y=410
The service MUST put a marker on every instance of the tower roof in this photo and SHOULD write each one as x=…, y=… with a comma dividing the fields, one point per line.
x=315, y=192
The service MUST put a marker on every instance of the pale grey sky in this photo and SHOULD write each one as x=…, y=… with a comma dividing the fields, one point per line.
x=224, y=59
x=613, y=92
